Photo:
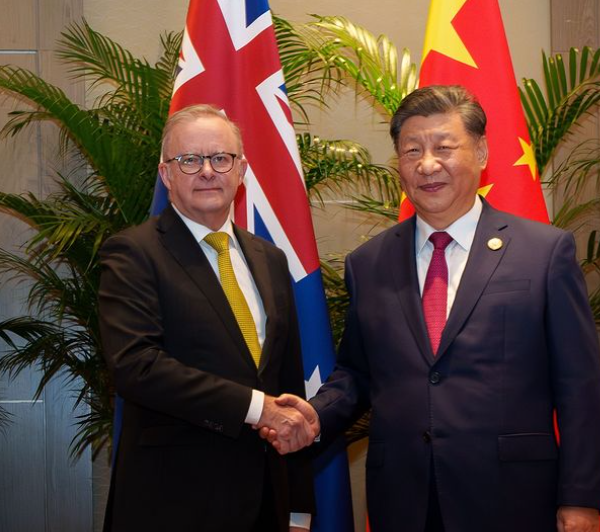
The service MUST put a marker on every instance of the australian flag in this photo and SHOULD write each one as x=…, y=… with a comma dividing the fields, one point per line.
x=229, y=59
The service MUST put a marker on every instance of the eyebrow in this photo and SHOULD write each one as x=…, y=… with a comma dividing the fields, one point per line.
x=436, y=136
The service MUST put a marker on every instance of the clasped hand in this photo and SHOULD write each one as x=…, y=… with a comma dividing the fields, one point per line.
x=288, y=422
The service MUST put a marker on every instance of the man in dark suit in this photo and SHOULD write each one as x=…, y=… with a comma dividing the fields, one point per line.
x=198, y=348
x=464, y=345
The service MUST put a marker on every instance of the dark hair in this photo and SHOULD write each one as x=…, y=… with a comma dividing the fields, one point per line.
x=437, y=99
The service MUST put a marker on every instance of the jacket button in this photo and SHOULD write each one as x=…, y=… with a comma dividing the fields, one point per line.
x=427, y=437
x=434, y=377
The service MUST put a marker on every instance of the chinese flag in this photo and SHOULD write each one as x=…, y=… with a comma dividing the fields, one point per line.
x=465, y=44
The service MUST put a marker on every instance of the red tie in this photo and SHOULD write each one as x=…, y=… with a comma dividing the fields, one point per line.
x=435, y=291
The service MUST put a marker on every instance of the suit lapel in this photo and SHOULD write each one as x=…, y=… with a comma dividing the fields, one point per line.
x=259, y=268
x=481, y=264
x=181, y=244
x=404, y=271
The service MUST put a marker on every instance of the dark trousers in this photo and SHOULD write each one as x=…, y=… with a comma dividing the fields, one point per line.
x=267, y=517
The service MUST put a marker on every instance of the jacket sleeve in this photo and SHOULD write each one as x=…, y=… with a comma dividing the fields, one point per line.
x=345, y=395
x=131, y=326
x=575, y=361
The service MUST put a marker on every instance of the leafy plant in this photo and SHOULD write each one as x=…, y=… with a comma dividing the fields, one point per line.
x=115, y=146
x=571, y=93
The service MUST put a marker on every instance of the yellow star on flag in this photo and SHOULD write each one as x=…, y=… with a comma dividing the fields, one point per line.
x=528, y=158
x=485, y=190
x=441, y=35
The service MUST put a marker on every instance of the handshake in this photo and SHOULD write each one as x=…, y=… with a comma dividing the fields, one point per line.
x=288, y=422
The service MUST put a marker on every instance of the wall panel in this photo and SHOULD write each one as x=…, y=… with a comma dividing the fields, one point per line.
x=41, y=488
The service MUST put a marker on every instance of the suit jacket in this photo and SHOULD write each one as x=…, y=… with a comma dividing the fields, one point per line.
x=519, y=342
x=186, y=460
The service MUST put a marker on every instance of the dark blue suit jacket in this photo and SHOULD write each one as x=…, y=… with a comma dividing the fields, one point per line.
x=520, y=342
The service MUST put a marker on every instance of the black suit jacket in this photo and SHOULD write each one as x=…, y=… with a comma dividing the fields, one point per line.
x=186, y=461
x=520, y=342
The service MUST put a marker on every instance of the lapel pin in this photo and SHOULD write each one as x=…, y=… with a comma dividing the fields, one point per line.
x=494, y=244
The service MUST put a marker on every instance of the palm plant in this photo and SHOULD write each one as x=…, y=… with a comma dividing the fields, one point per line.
x=572, y=93
x=115, y=146
x=372, y=67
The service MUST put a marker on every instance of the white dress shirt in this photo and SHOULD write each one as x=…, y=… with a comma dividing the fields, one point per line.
x=247, y=285
x=463, y=232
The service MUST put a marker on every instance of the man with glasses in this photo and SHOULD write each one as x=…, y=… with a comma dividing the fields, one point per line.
x=200, y=332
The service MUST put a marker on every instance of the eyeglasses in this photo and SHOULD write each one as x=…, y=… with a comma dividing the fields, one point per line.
x=191, y=163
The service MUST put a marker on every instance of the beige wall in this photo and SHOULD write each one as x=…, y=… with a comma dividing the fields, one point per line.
x=137, y=23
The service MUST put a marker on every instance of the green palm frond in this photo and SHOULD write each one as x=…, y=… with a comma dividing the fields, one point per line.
x=595, y=305
x=107, y=146
x=60, y=350
x=169, y=59
x=372, y=62
x=5, y=419
x=337, y=294
x=570, y=94
x=578, y=180
x=51, y=104
x=138, y=85
x=72, y=224
x=114, y=149
x=302, y=63
x=591, y=261
x=384, y=208
x=338, y=164
x=570, y=215
x=95, y=430
x=50, y=346
x=581, y=166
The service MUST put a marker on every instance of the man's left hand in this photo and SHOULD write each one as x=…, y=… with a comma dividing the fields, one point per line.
x=577, y=519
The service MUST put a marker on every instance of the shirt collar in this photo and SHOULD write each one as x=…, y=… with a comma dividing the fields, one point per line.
x=200, y=231
x=462, y=230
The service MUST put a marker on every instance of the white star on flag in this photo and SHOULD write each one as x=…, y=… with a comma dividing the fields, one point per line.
x=313, y=384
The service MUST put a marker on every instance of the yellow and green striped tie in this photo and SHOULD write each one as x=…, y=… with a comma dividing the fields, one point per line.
x=235, y=296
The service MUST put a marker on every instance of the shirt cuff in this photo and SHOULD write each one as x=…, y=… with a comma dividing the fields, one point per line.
x=300, y=520
x=256, y=407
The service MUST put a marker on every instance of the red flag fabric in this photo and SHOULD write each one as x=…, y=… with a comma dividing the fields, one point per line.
x=465, y=44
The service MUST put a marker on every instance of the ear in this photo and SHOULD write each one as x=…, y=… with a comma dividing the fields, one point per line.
x=242, y=169
x=165, y=175
x=482, y=152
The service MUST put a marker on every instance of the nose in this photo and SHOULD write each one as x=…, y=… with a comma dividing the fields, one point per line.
x=428, y=164
x=206, y=170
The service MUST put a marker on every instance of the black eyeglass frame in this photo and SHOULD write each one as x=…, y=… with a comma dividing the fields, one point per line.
x=203, y=158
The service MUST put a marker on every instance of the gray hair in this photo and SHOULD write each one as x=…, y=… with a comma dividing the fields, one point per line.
x=193, y=112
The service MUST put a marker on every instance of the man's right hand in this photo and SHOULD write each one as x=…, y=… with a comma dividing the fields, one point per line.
x=294, y=433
